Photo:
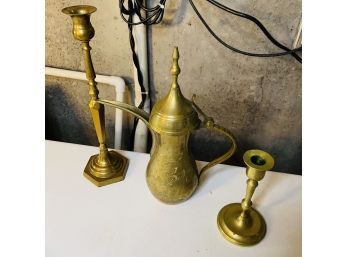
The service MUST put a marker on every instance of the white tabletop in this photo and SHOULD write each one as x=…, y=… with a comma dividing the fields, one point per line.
x=124, y=219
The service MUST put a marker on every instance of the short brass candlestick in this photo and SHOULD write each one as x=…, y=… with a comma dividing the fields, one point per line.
x=108, y=166
x=239, y=223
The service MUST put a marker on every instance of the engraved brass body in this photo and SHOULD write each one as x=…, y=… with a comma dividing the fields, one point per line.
x=239, y=223
x=172, y=175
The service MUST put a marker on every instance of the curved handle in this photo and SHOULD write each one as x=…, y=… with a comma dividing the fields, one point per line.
x=209, y=123
x=226, y=155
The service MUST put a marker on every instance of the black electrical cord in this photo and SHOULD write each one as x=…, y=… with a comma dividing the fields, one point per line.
x=147, y=16
x=246, y=16
x=258, y=23
x=152, y=15
x=155, y=14
x=137, y=66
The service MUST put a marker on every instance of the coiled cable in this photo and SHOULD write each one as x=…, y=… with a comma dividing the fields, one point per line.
x=147, y=16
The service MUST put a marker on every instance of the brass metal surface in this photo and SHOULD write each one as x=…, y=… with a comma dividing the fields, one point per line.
x=118, y=165
x=239, y=223
x=108, y=166
x=172, y=175
x=174, y=114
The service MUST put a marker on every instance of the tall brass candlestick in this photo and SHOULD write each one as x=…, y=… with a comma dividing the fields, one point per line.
x=239, y=223
x=108, y=166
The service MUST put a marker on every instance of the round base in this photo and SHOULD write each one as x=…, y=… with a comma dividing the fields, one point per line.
x=247, y=231
x=102, y=174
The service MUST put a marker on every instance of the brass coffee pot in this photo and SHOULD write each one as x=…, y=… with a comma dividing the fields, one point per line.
x=172, y=175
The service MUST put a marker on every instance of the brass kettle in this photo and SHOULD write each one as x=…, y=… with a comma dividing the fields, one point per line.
x=172, y=175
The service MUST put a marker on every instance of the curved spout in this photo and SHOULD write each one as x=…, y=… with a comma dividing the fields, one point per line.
x=144, y=116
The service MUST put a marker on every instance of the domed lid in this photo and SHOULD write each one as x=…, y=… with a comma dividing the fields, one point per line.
x=174, y=113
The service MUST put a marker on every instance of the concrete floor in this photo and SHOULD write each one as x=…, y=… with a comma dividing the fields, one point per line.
x=259, y=99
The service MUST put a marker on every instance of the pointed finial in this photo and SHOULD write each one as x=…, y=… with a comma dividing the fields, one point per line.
x=175, y=70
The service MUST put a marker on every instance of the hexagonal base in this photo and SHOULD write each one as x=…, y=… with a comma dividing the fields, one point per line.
x=114, y=172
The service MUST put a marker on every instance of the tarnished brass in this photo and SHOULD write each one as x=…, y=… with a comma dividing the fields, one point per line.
x=239, y=223
x=172, y=175
x=108, y=166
